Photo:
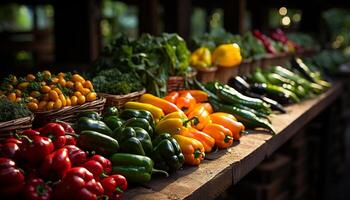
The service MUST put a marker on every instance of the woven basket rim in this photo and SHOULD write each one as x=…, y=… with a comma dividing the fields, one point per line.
x=209, y=69
x=129, y=95
x=69, y=108
x=28, y=119
x=189, y=75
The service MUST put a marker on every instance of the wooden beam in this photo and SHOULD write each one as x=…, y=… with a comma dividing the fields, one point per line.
x=149, y=17
x=76, y=31
x=177, y=17
x=232, y=15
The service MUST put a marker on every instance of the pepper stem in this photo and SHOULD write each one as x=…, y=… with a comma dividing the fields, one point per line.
x=194, y=119
x=73, y=134
x=227, y=138
x=118, y=190
x=160, y=171
x=26, y=138
x=197, y=153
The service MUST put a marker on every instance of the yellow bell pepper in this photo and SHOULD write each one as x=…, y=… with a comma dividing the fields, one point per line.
x=178, y=114
x=165, y=105
x=227, y=55
x=156, y=112
x=201, y=58
x=192, y=149
x=173, y=125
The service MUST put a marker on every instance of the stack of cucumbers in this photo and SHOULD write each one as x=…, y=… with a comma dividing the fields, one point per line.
x=252, y=112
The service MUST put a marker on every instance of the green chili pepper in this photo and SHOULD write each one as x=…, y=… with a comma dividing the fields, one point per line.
x=167, y=153
x=98, y=142
x=85, y=123
x=136, y=168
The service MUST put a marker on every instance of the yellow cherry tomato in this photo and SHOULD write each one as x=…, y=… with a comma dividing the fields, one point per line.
x=23, y=85
x=88, y=84
x=47, y=74
x=81, y=99
x=63, y=100
x=18, y=99
x=77, y=93
x=53, y=95
x=85, y=91
x=12, y=96
x=49, y=105
x=32, y=106
x=74, y=100
x=91, y=96
x=77, y=78
x=18, y=92
x=62, y=82
x=78, y=86
x=55, y=80
x=57, y=104
x=69, y=84
x=45, y=89
x=30, y=77
x=35, y=94
x=45, y=97
x=58, y=90
x=42, y=105
x=68, y=101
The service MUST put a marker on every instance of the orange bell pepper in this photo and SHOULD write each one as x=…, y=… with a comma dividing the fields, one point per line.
x=172, y=96
x=224, y=114
x=228, y=122
x=208, y=107
x=185, y=101
x=192, y=149
x=165, y=105
x=199, y=95
x=223, y=136
x=207, y=141
x=201, y=114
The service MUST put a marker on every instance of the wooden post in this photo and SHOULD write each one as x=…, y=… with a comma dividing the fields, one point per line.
x=177, y=17
x=259, y=15
x=148, y=16
x=233, y=15
x=77, y=40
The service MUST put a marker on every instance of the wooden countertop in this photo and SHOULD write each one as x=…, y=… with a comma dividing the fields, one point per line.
x=226, y=167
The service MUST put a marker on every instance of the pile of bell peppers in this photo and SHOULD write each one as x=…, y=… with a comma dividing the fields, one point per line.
x=45, y=163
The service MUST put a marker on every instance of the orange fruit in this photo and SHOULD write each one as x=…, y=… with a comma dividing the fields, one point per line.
x=42, y=105
x=81, y=99
x=57, y=104
x=49, y=105
x=53, y=95
x=30, y=77
x=77, y=78
x=91, y=96
x=12, y=96
x=45, y=89
x=32, y=106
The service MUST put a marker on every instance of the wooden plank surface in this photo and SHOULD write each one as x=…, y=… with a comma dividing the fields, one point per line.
x=227, y=167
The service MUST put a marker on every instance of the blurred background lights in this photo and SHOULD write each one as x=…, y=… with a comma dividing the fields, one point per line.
x=283, y=11
x=285, y=21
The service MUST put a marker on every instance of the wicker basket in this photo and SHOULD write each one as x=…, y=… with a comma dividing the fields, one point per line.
x=223, y=74
x=16, y=124
x=176, y=83
x=68, y=113
x=244, y=67
x=120, y=100
x=207, y=74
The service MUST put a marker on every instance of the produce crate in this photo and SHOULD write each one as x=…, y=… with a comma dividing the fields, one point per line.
x=176, y=83
x=15, y=125
x=223, y=74
x=68, y=113
x=207, y=74
x=120, y=100
x=244, y=67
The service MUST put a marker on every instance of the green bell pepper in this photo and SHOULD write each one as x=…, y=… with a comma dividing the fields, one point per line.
x=113, y=122
x=139, y=122
x=135, y=168
x=98, y=142
x=130, y=113
x=110, y=111
x=167, y=153
x=90, y=114
x=85, y=123
x=129, y=142
x=145, y=139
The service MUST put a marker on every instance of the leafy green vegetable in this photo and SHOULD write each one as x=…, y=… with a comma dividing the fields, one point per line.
x=10, y=110
x=112, y=81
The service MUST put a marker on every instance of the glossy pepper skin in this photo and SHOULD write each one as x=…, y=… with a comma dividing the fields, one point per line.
x=157, y=113
x=167, y=153
x=185, y=101
x=11, y=178
x=173, y=125
x=35, y=149
x=10, y=148
x=78, y=184
x=139, y=122
x=135, y=168
x=88, y=124
x=201, y=114
x=67, y=127
x=223, y=136
x=98, y=142
x=228, y=122
x=110, y=111
x=145, y=139
x=37, y=189
x=172, y=96
x=56, y=164
x=113, y=122
x=163, y=104
x=76, y=156
x=130, y=113
x=56, y=133
x=207, y=141
x=90, y=114
x=114, y=186
x=98, y=166
x=199, y=95
x=192, y=149
x=71, y=140
x=129, y=143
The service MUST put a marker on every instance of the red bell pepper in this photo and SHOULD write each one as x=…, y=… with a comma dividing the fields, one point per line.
x=11, y=178
x=71, y=140
x=98, y=166
x=30, y=133
x=76, y=155
x=56, y=133
x=56, y=164
x=37, y=189
x=114, y=186
x=10, y=148
x=67, y=128
x=35, y=149
x=106, y=163
x=78, y=184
